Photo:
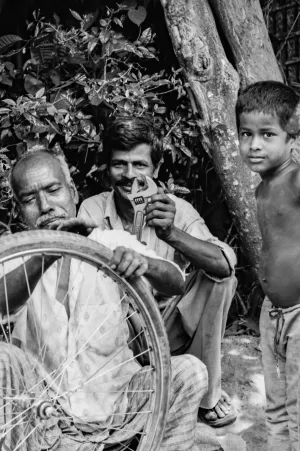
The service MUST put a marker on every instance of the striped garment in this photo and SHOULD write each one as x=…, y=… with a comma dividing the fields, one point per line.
x=188, y=385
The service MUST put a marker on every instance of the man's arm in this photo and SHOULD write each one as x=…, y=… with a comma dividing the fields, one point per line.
x=164, y=276
x=17, y=285
x=160, y=214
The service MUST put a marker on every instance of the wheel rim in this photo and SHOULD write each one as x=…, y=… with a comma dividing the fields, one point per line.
x=153, y=429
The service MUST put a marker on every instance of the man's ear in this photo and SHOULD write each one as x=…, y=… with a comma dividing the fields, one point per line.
x=74, y=192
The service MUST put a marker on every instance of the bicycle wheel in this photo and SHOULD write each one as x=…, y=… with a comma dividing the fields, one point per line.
x=51, y=399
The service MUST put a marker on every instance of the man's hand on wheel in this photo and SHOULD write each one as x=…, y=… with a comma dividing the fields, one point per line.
x=75, y=225
x=127, y=262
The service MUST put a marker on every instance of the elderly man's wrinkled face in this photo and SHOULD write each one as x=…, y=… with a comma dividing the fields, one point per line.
x=42, y=192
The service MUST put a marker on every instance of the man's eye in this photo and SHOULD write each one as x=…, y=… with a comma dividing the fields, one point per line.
x=118, y=165
x=245, y=134
x=28, y=200
x=54, y=189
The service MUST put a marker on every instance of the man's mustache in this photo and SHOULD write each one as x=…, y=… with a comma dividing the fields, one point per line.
x=48, y=217
x=130, y=183
x=125, y=183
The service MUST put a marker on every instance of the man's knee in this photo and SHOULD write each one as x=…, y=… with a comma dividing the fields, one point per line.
x=191, y=371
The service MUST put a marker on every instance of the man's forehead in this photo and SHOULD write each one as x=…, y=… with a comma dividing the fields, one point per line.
x=140, y=151
x=32, y=171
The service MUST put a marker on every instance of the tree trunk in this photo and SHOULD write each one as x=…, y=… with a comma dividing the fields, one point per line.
x=220, y=45
x=246, y=35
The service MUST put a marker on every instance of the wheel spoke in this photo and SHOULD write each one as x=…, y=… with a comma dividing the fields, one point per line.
x=86, y=334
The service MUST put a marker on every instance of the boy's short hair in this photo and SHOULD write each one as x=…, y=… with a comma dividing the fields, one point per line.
x=125, y=133
x=268, y=97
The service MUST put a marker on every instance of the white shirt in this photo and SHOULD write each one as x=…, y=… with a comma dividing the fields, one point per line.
x=94, y=336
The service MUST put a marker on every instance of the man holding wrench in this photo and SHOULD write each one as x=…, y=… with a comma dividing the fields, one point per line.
x=175, y=230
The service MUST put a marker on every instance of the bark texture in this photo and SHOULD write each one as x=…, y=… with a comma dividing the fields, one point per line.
x=246, y=37
x=220, y=45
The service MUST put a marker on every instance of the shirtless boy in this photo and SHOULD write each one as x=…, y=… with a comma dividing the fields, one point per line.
x=265, y=111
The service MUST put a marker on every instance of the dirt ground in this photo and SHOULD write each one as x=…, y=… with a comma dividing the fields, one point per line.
x=242, y=378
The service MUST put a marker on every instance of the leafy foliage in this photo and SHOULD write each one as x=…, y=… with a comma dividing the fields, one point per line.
x=60, y=84
x=75, y=78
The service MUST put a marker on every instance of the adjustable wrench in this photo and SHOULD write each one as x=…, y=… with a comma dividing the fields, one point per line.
x=138, y=200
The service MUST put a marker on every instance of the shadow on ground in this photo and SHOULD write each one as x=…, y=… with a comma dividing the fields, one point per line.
x=242, y=378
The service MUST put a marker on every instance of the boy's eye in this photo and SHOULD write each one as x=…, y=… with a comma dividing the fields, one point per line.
x=268, y=134
x=245, y=134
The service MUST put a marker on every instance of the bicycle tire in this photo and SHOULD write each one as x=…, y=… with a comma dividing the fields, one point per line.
x=26, y=244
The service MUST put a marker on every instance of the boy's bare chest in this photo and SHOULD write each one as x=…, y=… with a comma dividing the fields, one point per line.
x=277, y=209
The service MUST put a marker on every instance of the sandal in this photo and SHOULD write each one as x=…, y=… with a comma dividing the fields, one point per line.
x=229, y=418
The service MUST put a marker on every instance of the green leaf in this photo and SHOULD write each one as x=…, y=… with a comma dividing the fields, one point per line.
x=160, y=109
x=9, y=102
x=6, y=80
x=4, y=110
x=144, y=103
x=76, y=15
x=137, y=15
x=128, y=4
x=52, y=110
x=40, y=93
x=92, y=44
x=118, y=22
x=32, y=85
x=44, y=53
x=146, y=36
x=104, y=36
x=193, y=133
x=145, y=52
x=186, y=151
x=95, y=99
x=8, y=40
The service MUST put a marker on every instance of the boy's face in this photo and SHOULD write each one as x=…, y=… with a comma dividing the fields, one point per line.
x=264, y=145
x=125, y=166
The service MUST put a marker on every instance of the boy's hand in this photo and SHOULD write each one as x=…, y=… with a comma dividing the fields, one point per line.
x=160, y=214
x=127, y=262
x=75, y=225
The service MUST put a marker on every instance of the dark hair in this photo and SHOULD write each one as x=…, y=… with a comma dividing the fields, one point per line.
x=268, y=97
x=125, y=133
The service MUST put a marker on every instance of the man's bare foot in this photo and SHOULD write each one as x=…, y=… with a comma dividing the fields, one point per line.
x=221, y=415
